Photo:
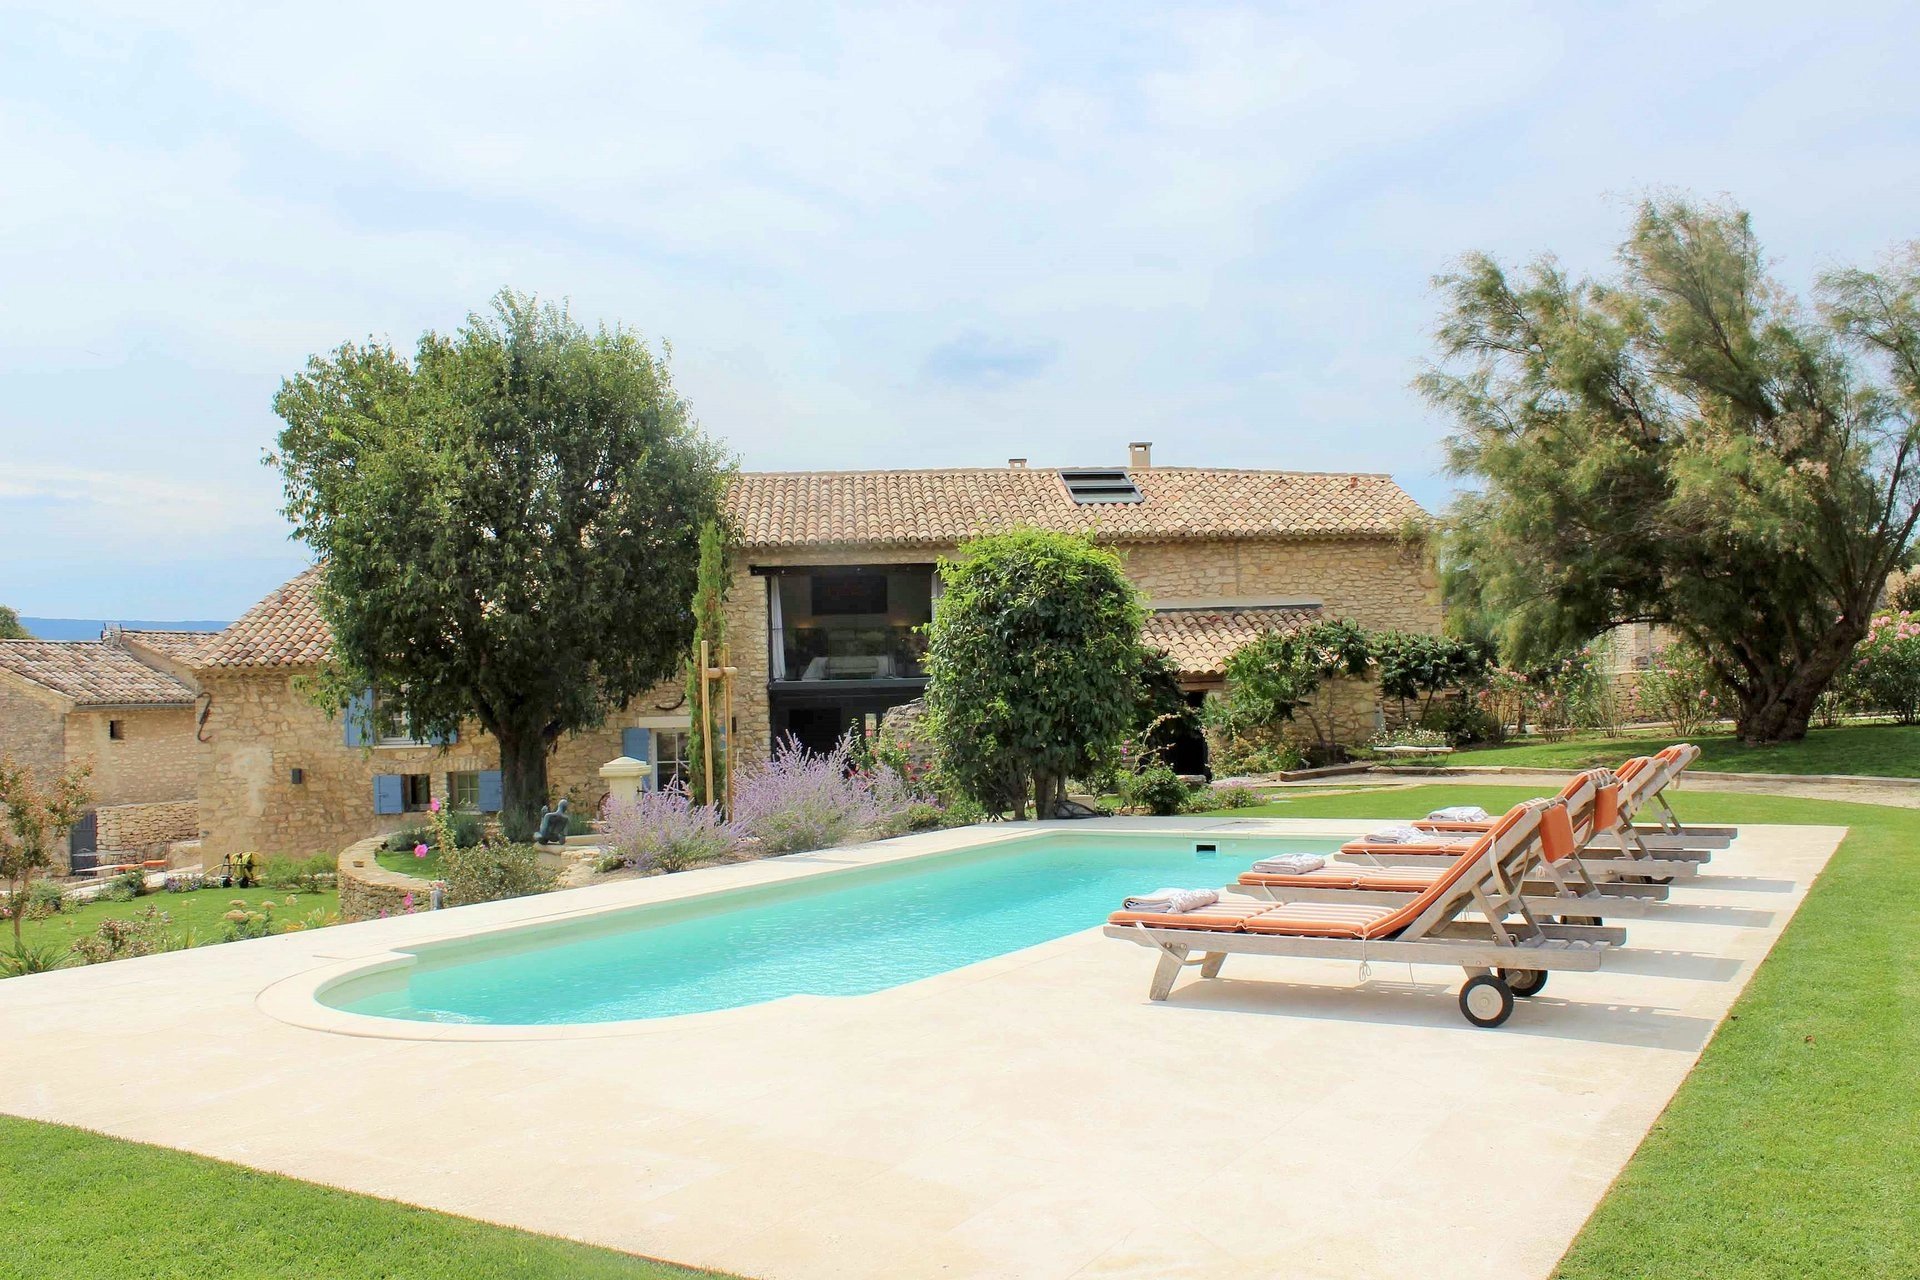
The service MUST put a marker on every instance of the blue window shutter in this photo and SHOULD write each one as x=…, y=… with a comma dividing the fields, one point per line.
x=490, y=793
x=359, y=718
x=637, y=744
x=388, y=797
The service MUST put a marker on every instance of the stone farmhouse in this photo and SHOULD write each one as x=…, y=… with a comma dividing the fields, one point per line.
x=834, y=573
x=126, y=707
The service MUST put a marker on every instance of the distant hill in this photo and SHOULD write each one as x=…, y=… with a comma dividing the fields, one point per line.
x=89, y=628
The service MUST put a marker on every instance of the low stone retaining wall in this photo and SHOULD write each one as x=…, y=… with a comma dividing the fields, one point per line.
x=369, y=891
x=146, y=827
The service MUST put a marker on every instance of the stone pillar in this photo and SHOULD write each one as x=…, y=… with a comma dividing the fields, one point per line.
x=624, y=776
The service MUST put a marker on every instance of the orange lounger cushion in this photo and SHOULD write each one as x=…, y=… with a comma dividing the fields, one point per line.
x=1220, y=917
x=1439, y=847
x=1386, y=879
x=1319, y=919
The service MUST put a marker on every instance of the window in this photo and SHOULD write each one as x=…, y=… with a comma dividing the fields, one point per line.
x=1101, y=484
x=670, y=761
x=398, y=737
x=463, y=791
x=117, y=730
x=416, y=791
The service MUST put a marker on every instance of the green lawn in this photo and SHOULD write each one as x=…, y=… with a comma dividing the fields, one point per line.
x=79, y=1204
x=411, y=864
x=1793, y=1150
x=1882, y=750
x=199, y=912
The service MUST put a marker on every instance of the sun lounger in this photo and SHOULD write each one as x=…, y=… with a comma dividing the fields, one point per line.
x=1553, y=881
x=1506, y=951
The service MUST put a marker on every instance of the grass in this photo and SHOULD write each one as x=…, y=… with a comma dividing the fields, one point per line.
x=411, y=864
x=1793, y=1149
x=198, y=911
x=80, y=1204
x=1882, y=750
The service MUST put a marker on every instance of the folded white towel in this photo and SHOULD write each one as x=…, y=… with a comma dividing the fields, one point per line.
x=1173, y=901
x=1291, y=864
x=1459, y=813
x=1401, y=834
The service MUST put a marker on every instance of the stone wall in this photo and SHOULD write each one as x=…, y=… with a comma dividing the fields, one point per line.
x=148, y=827
x=156, y=758
x=33, y=727
x=1377, y=582
x=261, y=729
x=369, y=891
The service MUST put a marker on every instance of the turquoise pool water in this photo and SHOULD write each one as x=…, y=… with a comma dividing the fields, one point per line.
x=840, y=934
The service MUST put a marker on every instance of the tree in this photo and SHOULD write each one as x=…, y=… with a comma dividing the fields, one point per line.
x=506, y=525
x=1416, y=667
x=1687, y=445
x=1288, y=674
x=710, y=625
x=1033, y=664
x=32, y=818
x=10, y=628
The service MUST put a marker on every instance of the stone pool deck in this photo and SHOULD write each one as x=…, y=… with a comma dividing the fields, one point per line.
x=1031, y=1116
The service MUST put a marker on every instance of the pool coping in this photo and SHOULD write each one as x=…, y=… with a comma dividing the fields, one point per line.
x=296, y=999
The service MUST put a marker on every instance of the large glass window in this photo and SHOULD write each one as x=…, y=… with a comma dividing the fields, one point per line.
x=463, y=791
x=850, y=623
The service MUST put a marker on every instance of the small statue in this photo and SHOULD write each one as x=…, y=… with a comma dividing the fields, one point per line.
x=553, y=825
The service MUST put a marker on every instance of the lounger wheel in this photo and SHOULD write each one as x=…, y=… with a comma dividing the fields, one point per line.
x=1486, y=1000
x=1525, y=982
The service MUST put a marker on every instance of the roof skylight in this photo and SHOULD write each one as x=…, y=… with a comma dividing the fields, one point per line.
x=1100, y=484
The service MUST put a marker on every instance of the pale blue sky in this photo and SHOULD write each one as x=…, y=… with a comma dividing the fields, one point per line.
x=882, y=236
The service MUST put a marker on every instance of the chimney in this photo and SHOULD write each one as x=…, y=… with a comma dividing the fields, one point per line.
x=1140, y=454
x=1017, y=464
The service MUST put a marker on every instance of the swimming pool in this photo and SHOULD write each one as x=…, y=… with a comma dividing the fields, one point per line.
x=840, y=934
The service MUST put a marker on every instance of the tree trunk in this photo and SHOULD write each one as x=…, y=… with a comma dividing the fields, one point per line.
x=1779, y=706
x=523, y=781
x=1046, y=795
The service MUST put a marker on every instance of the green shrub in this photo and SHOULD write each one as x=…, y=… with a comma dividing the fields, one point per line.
x=491, y=871
x=1678, y=688
x=125, y=887
x=47, y=895
x=1461, y=721
x=243, y=922
x=1155, y=787
x=146, y=934
x=1232, y=796
x=407, y=838
x=305, y=875
x=33, y=958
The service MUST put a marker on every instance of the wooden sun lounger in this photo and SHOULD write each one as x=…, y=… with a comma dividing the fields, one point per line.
x=1506, y=951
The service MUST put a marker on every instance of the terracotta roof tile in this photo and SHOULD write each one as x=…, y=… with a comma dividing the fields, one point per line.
x=92, y=673
x=284, y=630
x=940, y=508
x=1199, y=641
x=182, y=646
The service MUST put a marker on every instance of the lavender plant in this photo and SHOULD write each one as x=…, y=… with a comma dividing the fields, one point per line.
x=802, y=800
x=665, y=831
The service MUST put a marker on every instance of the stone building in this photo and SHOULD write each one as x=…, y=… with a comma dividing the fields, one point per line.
x=834, y=575
x=124, y=706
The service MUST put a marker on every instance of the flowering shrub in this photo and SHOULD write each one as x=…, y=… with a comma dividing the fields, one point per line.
x=665, y=831
x=1408, y=736
x=1886, y=666
x=801, y=800
x=1679, y=689
x=1233, y=795
x=146, y=934
x=491, y=871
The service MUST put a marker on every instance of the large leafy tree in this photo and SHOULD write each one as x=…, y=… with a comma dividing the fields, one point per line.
x=507, y=525
x=1686, y=444
x=1034, y=665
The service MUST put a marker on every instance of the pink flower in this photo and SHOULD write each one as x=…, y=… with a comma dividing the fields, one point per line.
x=407, y=902
x=419, y=851
x=433, y=805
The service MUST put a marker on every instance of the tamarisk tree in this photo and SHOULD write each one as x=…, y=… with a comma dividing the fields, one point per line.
x=507, y=527
x=1684, y=444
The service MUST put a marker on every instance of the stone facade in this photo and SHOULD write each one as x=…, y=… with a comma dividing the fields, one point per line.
x=1376, y=582
x=148, y=828
x=261, y=728
x=33, y=727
